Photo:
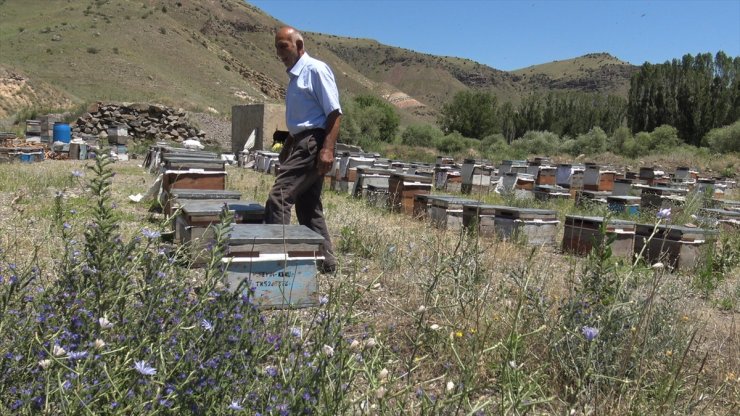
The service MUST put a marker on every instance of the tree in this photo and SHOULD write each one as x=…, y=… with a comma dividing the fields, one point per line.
x=472, y=114
x=421, y=135
x=694, y=94
x=368, y=119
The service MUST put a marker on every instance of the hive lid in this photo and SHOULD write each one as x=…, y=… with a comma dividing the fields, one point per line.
x=204, y=194
x=411, y=178
x=215, y=206
x=242, y=234
x=525, y=213
x=624, y=198
x=720, y=213
x=676, y=232
x=576, y=219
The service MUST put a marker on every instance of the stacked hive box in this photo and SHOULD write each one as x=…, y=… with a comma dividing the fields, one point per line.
x=677, y=247
x=403, y=187
x=534, y=226
x=582, y=233
x=480, y=218
x=446, y=212
x=274, y=264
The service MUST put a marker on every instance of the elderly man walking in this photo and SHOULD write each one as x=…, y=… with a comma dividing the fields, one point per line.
x=312, y=113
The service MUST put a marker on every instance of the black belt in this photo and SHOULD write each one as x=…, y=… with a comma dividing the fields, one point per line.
x=305, y=133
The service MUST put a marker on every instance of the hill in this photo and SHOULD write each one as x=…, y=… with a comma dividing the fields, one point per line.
x=217, y=53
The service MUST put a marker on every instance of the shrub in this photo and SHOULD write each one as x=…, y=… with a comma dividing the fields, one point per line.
x=451, y=143
x=93, y=50
x=421, y=135
x=537, y=142
x=724, y=139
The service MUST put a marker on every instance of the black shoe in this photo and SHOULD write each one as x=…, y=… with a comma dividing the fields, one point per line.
x=327, y=268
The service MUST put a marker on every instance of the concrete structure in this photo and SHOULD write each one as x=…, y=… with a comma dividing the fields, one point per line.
x=265, y=119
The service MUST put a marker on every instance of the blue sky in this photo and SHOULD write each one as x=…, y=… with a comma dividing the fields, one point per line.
x=510, y=35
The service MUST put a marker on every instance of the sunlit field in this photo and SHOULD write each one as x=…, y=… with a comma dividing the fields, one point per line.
x=99, y=314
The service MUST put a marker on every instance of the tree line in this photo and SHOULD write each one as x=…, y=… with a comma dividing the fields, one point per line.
x=695, y=95
x=695, y=100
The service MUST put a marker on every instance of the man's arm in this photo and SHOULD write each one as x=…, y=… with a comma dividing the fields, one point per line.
x=326, y=154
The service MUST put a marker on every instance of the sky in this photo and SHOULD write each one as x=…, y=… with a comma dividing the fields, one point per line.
x=510, y=35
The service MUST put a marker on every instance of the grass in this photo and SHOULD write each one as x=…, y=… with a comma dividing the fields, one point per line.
x=418, y=321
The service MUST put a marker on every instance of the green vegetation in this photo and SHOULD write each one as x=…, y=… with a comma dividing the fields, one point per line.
x=694, y=94
x=367, y=120
x=100, y=316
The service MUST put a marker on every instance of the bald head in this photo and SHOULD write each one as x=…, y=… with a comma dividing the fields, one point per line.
x=289, y=45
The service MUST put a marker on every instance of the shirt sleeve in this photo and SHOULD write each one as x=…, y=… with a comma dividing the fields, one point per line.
x=325, y=89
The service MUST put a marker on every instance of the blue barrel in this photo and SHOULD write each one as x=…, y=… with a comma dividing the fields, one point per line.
x=62, y=132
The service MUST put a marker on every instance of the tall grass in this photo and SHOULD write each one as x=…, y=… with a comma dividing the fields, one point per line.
x=418, y=321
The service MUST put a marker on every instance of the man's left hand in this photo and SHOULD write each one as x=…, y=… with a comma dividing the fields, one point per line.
x=326, y=161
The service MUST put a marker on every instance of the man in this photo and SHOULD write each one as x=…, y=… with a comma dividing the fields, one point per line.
x=312, y=113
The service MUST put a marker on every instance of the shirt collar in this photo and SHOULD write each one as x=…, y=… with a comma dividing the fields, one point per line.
x=298, y=67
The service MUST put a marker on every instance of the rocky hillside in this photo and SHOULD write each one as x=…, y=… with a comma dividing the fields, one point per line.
x=212, y=54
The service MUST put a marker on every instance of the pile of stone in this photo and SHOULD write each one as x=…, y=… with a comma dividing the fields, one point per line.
x=140, y=120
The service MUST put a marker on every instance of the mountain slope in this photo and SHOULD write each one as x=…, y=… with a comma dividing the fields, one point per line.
x=218, y=53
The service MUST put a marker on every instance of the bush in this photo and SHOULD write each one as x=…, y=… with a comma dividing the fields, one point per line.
x=724, y=139
x=367, y=119
x=421, y=135
x=591, y=143
x=93, y=50
x=537, y=142
x=451, y=143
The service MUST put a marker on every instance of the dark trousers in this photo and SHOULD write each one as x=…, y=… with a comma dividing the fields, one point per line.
x=299, y=184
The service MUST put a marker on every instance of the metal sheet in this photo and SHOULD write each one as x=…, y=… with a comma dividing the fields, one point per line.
x=243, y=234
x=196, y=207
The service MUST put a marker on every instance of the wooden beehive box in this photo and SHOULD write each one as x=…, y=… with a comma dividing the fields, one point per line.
x=193, y=225
x=546, y=175
x=677, y=247
x=274, y=264
x=590, y=198
x=534, y=226
x=403, y=187
x=548, y=192
x=446, y=212
x=653, y=197
x=582, y=233
x=193, y=179
x=480, y=218
x=377, y=196
x=421, y=206
x=624, y=203
x=175, y=196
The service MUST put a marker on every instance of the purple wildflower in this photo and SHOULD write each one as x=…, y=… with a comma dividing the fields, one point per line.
x=144, y=369
x=664, y=214
x=590, y=332
x=150, y=234
x=77, y=174
x=271, y=371
x=235, y=406
x=323, y=300
x=206, y=325
x=77, y=355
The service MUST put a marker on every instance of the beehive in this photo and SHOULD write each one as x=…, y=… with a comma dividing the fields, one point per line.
x=534, y=226
x=480, y=218
x=623, y=203
x=274, y=264
x=403, y=187
x=677, y=247
x=446, y=212
x=582, y=233
x=175, y=196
